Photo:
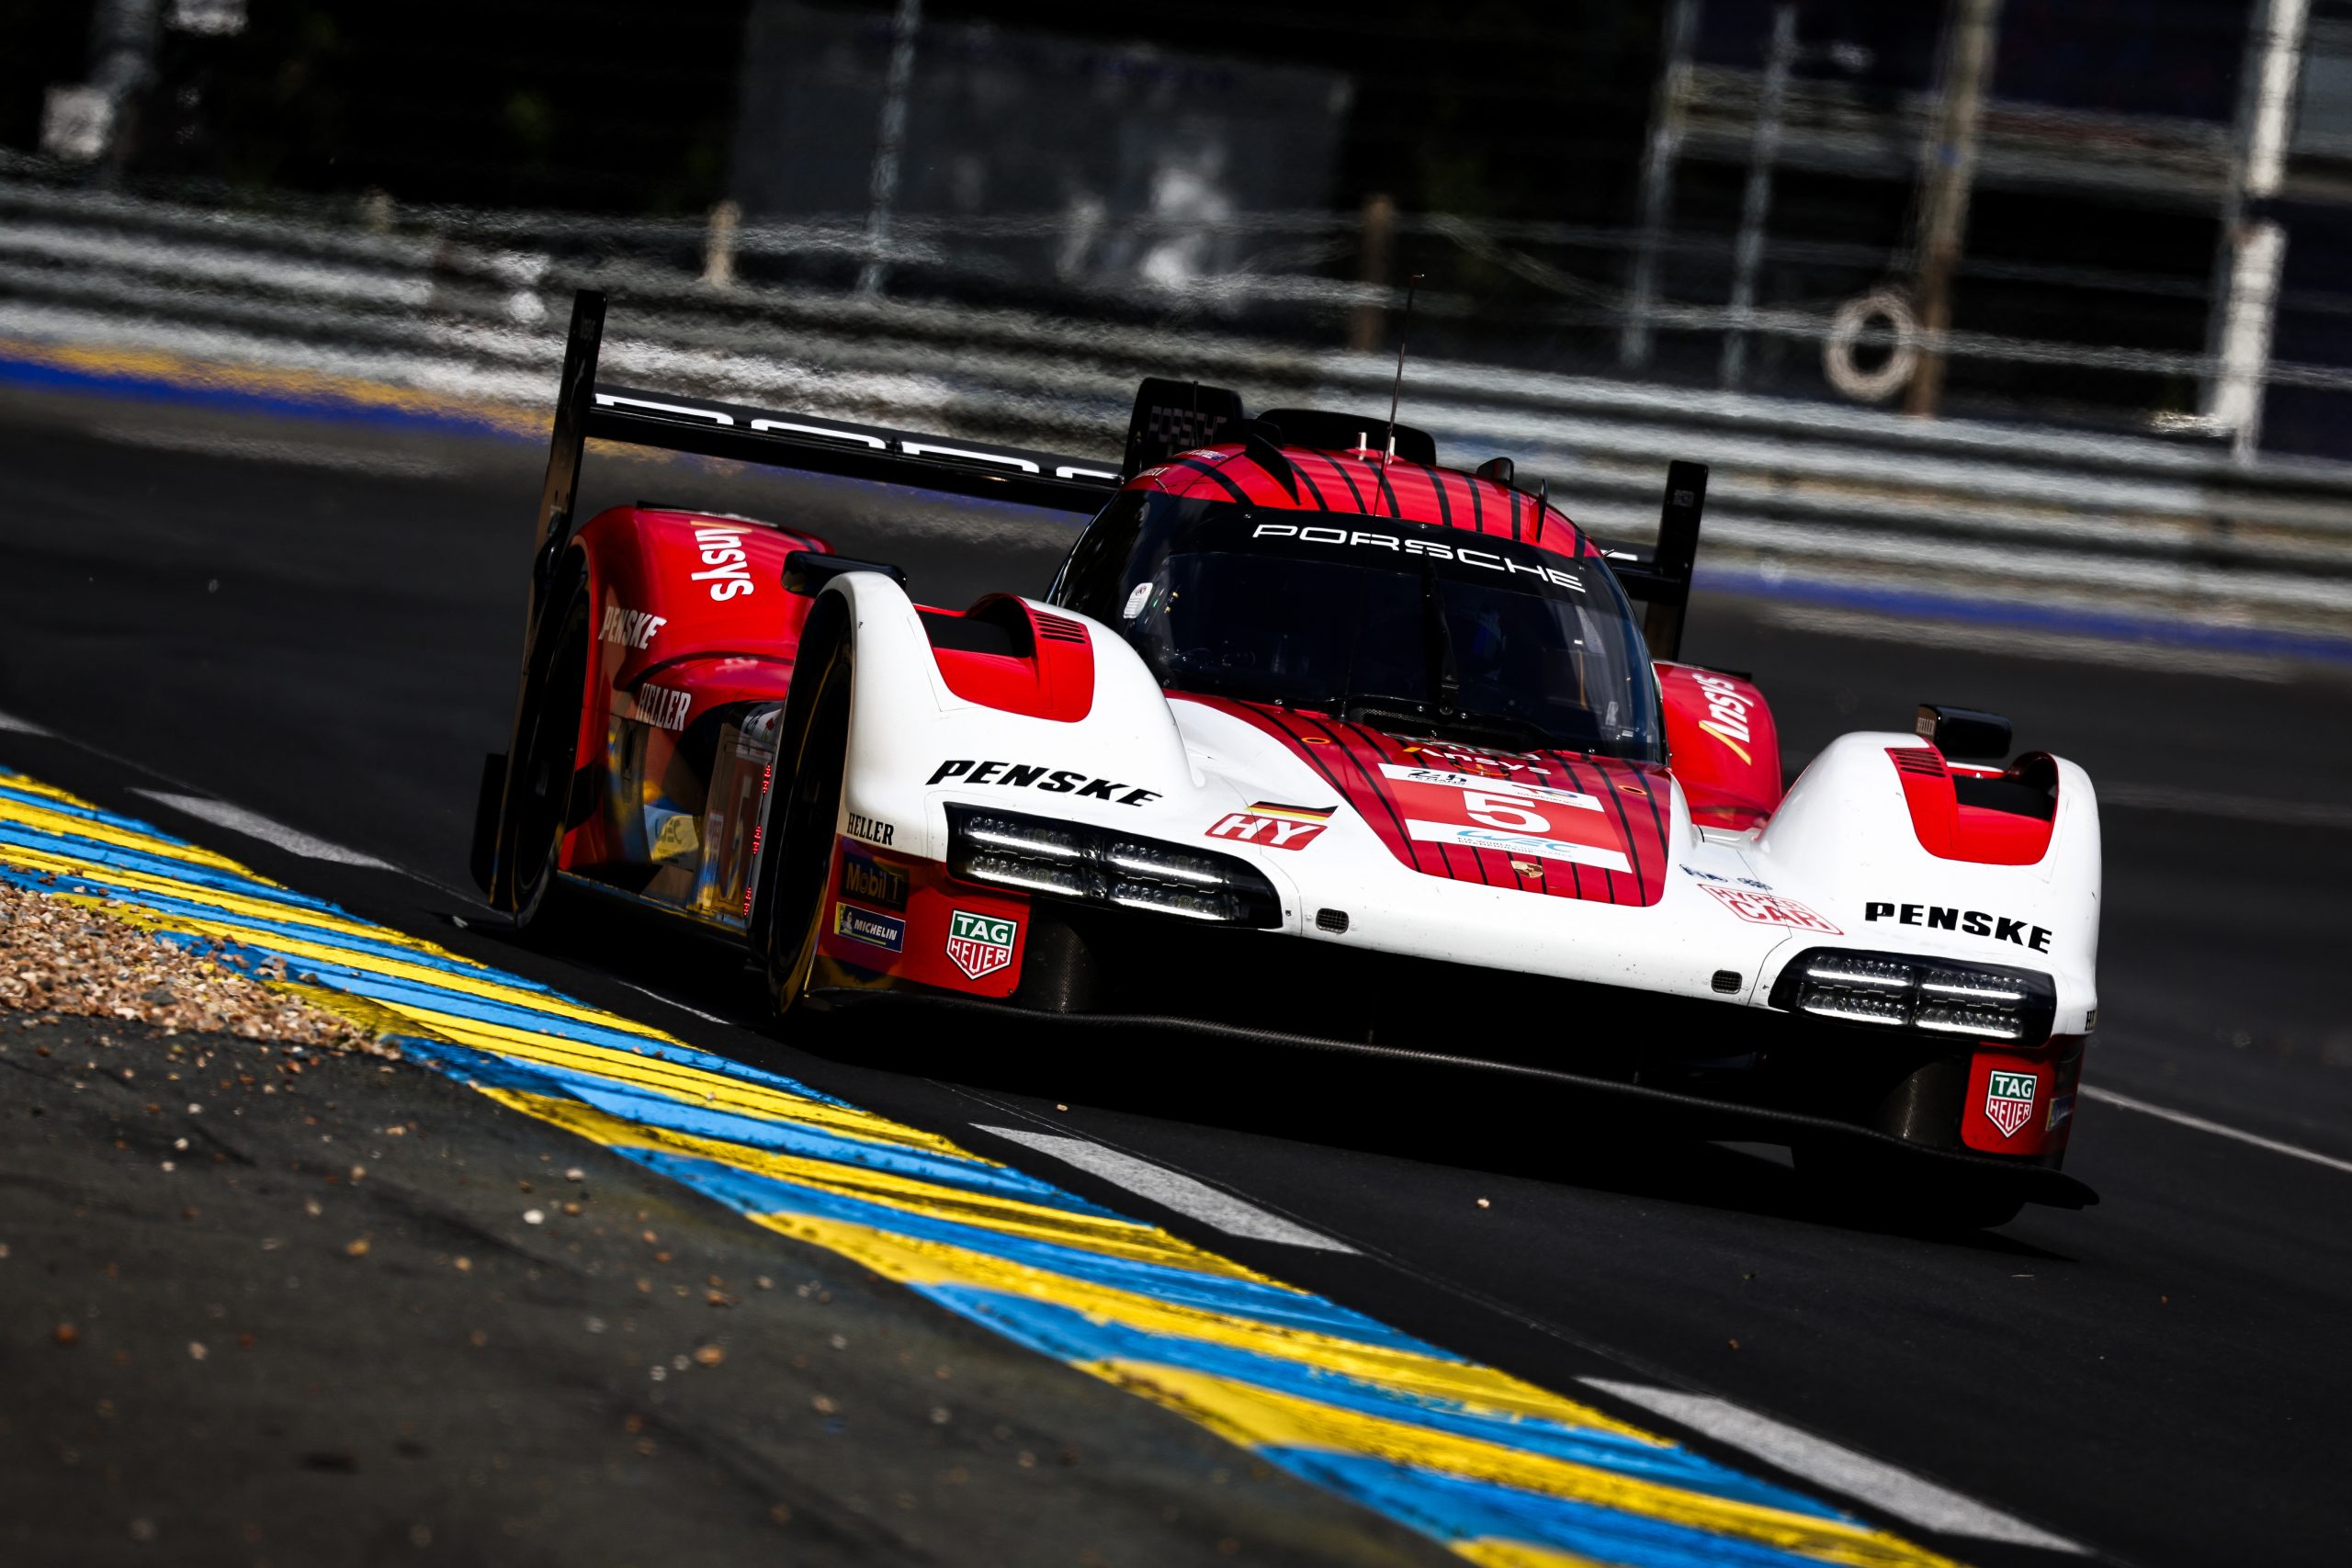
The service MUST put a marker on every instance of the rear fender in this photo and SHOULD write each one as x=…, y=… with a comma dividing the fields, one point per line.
x=689, y=615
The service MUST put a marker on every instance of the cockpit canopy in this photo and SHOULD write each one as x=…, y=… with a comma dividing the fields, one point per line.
x=1413, y=628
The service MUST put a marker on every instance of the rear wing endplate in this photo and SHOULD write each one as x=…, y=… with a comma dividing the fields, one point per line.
x=587, y=411
x=1659, y=576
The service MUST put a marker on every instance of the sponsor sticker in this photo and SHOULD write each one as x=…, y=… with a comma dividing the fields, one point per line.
x=1440, y=776
x=870, y=927
x=677, y=837
x=1360, y=538
x=2008, y=1100
x=1036, y=776
x=726, y=566
x=1506, y=842
x=1136, y=601
x=873, y=829
x=1525, y=819
x=1727, y=881
x=870, y=882
x=629, y=628
x=2062, y=1106
x=980, y=944
x=1970, y=922
x=1470, y=759
x=664, y=707
x=1727, y=717
x=1274, y=826
x=1769, y=910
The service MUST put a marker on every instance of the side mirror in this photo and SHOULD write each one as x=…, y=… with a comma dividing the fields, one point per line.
x=807, y=571
x=1965, y=733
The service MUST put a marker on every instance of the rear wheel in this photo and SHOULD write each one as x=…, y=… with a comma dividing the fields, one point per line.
x=805, y=818
x=547, y=756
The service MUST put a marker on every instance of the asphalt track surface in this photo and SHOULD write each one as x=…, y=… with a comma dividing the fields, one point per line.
x=320, y=623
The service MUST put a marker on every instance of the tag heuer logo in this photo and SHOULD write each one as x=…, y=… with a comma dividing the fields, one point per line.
x=2008, y=1100
x=980, y=944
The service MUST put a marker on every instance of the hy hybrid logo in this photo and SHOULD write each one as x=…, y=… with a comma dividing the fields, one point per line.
x=980, y=944
x=2008, y=1100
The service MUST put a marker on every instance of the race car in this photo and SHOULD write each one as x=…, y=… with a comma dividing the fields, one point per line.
x=1313, y=742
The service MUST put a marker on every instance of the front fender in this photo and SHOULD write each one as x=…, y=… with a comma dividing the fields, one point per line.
x=912, y=738
x=1845, y=832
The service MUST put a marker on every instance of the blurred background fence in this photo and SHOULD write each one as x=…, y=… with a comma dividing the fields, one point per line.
x=2044, y=299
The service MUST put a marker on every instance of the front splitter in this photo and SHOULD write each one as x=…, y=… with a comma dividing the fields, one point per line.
x=1697, y=1116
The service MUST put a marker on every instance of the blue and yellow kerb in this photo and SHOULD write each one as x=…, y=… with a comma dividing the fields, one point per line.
x=1497, y=1470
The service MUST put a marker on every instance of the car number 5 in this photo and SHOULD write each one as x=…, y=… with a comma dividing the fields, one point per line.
x=1499, y=811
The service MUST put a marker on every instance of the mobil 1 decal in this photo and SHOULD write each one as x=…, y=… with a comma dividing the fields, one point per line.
x=980, y=944
x=868, y=880
x=1440, y=806
x=2008, y=1100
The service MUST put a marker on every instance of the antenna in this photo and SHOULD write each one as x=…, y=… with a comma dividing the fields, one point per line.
x=1397, y=389
x=1542, y=504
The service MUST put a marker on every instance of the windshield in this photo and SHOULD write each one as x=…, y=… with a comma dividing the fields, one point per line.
x=1414, y=630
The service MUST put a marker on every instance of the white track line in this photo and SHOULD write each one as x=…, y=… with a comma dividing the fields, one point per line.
x=674, y=1002
x=237, y=819
x=10, y=721
x=1170, y=1190
x=1898, y=1492
x=2125, y=1103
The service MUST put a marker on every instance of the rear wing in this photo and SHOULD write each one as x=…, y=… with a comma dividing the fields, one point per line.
x=1169, y=416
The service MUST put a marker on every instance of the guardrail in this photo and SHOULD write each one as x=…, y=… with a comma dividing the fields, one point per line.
x=1818, y=490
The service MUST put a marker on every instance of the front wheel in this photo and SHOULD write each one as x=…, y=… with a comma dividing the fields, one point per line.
x=546, y=757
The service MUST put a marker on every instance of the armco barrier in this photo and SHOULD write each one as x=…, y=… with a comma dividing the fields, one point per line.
x=2136, y=525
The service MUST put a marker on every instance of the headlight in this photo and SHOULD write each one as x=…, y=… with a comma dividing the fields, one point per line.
x=1893, y=991
x=1036, y=854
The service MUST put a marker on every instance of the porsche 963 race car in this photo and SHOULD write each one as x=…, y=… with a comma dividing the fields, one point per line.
x=1312, y=743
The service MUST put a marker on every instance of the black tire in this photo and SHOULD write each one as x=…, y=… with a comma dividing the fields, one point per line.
x=545, y=757
x=814, y=747
x=1885, y=1189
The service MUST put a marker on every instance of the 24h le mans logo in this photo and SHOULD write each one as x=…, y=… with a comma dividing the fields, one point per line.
x=980, y=944
x=2008, y=1100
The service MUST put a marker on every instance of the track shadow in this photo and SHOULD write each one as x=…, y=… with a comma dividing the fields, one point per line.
x=1456, y=1117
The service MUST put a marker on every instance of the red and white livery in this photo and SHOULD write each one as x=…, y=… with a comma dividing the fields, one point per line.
x=1313, y=742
